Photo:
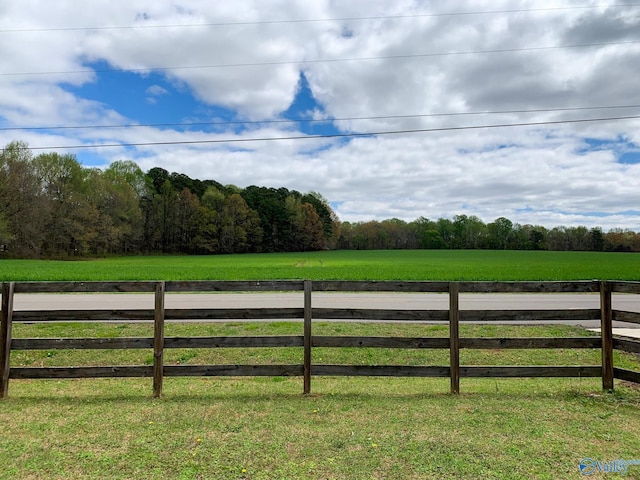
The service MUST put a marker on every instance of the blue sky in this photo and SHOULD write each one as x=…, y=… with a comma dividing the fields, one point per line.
x=625, y=151
x=354, y=67
x=147, y=99
x=151, y=99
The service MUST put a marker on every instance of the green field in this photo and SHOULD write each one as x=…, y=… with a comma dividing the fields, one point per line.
x=254, y=428
x=348, y=428
x=340, y=265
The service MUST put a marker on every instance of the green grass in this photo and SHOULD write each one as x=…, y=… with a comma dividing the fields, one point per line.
x=355, y=428
x=293, y=355
x=264, y=429
x=348, y=428
x=339, y=265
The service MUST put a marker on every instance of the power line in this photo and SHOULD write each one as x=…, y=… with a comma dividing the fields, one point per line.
x=327, y=120
x=315, y=20
x=328, y=60
x=336, y=135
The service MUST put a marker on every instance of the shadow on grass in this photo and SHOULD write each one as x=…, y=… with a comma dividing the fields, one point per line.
x=502, y=391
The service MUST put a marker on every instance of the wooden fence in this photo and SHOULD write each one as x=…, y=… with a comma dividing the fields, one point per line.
x=453, y=316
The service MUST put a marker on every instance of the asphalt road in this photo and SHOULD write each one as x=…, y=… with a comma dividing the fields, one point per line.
x=380, y=300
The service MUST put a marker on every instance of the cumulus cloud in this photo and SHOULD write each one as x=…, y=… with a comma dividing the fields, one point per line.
x=155, y=91
x=405, y=58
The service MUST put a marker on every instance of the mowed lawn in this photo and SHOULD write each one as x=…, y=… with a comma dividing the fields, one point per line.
x=339, y=265
x=347, y=428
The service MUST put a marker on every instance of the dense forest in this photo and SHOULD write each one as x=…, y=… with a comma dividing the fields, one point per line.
x=469, y=232
x=53, y=207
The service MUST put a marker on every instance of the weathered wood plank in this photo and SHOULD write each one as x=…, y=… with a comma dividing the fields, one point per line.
x=233, y=370
x=629, y=317
x=377, y=314
x=143, y=343
x=85, y=287
x=316, y=341
x=625, y=287
x=588, y=286
x=307, y=341
x=528, y=315
x=81, y=343
x=297, y=285
x=379, y=286
x=234, y=286
x=158, y=339
x=234, y=342
x=29, y=316
x=526, y=343
x=6, y=322
x=297, y=370
x=379, y=342
x=298, y=313
x=454, y=337
x=606, y=332
x=306, y=389
x=626, y=345
x=81, y=372
x=627, y=375
x=380, y=371
x=111, y=315
x=234, y=314
x=530, y=371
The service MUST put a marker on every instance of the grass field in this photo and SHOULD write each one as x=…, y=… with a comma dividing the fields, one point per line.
x=348, y=428
x=264, y=429
x=340, y=265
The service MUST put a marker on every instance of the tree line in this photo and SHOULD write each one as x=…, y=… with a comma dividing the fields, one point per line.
x=53, y=207
x=470, y=232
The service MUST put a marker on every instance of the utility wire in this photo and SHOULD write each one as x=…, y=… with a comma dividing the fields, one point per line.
x=327, y=60
x=336, y=135
x=327, y=120
x=316, y=20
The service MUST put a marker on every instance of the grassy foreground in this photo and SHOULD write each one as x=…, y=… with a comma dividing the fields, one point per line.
x=265, y=429
x=340, y=265
x=348, y=428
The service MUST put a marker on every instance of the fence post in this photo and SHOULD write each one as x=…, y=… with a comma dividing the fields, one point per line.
x=158, y=340
x=454, y=336
x=307, y=337
x=606, y=332
x=6, y=318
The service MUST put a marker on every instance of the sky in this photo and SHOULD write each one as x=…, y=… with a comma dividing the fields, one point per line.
x=401, y=109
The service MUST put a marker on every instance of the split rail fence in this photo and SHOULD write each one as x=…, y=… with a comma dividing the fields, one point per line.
x=307, y=313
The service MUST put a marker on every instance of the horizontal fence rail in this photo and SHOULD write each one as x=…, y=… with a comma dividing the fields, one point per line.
x=452, y=316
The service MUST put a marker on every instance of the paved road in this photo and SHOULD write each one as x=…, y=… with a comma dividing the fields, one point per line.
x=471, y=301
x=333, y=300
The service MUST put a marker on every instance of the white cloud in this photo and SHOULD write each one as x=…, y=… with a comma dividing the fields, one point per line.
x=153, y=92
x=156, y=91
x=545, y=174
